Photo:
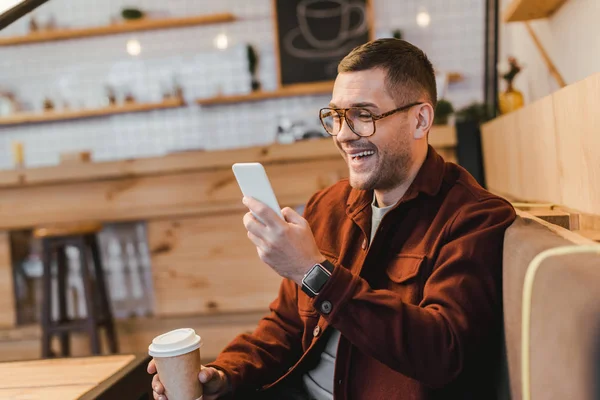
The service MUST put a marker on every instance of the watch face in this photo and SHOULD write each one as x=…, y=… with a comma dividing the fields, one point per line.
x=316, y=278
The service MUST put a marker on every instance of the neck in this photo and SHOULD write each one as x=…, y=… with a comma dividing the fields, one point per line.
x=392, y=196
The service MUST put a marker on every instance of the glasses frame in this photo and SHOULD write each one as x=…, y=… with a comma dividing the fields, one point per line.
x=341, y=112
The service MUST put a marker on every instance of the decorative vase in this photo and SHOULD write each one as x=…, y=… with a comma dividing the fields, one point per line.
x=510, y=100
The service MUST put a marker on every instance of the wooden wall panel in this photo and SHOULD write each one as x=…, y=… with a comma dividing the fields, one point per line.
x=7, y=297
x=501, y=158
x=158, y=196
x=207, y=265
x=549, y=151
x=577, y=114
x=535, y=146
x=136, y=334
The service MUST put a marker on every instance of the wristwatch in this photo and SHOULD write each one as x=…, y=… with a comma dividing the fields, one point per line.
x=316, y=278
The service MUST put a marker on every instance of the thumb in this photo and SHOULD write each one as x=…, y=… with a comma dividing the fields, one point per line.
x=291, y=216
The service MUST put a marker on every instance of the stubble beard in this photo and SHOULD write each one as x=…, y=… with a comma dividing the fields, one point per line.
x=391, y=170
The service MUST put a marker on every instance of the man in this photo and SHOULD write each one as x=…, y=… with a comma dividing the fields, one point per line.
x=392, y=284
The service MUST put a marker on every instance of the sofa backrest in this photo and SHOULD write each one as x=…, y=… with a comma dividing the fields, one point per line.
x=525, y=239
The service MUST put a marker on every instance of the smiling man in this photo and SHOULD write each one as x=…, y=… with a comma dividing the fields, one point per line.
x=392, y=279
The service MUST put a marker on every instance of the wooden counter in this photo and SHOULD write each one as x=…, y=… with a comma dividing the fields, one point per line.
x=202, y=261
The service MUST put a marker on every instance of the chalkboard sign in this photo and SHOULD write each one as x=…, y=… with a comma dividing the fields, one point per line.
x=314, y=35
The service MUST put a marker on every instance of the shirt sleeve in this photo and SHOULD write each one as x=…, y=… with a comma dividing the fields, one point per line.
x=252, y=360
x=461, y=301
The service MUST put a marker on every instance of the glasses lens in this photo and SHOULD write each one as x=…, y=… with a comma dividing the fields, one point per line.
x=361, y=121
x=330, y=120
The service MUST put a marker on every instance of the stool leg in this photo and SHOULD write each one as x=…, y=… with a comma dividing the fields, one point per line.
x=61, y=261
x=92, y=242
x=92, y=318
x=46, y=299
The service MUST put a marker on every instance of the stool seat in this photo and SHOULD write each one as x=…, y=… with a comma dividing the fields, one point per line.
x=80, y=228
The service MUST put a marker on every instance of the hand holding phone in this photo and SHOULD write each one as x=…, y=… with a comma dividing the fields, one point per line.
x=254, y=182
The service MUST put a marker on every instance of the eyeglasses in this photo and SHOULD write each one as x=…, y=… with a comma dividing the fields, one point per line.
x=360, y=120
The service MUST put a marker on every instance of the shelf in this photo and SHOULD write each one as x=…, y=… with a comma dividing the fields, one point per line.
x=305, y=89
x=131, y=26
x=525, y=10
x=288, y=91
x=51, y=116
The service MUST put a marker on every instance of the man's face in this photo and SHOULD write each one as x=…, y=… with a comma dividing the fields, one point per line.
x=390, y=156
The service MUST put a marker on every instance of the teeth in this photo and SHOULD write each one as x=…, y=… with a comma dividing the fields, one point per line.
x=364, y=153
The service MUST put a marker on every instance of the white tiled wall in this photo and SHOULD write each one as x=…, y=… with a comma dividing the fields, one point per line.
x=77, y=71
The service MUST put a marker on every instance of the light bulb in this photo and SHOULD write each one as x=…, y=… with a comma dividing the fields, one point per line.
x=423, y=19
x=134, y=48
x=221, y=41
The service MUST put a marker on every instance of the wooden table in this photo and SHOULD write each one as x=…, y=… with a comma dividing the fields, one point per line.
x=86, y=378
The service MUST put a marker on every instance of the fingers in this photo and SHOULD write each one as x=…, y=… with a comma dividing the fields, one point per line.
x=206, y=374
x=157, y=386
x=292, y=216
x=252, y=224
x=151, y=367
x=214, y=382
x=262, y=211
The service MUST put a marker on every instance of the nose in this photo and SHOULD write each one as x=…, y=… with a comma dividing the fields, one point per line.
x=345, y=134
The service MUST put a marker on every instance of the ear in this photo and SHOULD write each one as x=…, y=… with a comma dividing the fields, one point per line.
x=424, y=120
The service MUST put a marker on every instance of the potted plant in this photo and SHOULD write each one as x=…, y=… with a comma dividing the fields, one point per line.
x=511, y=99
x=442, y=111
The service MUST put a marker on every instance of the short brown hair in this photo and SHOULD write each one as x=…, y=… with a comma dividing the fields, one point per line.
x=409, y=71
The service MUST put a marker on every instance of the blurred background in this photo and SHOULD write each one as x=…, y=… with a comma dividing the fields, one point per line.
x=129, y=114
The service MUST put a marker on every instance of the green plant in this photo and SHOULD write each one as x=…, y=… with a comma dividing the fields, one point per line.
x=442, y=111
x=252, y=65
x=252, y=59
x=397, y=34
x=477, y=112
x=132, y=13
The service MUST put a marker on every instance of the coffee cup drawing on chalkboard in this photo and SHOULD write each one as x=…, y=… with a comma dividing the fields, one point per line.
x=324, y=28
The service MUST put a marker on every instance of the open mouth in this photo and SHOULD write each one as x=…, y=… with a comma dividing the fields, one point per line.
x=363, y=155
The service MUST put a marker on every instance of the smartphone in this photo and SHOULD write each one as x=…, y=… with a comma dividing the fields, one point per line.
x=254, y=182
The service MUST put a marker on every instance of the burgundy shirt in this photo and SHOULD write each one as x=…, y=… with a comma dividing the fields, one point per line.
x=419, y=309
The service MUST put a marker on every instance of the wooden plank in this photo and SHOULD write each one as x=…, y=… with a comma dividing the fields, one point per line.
x=207, y=265
x=592, y=235
x=555, y=217
x=57, y=372
x=53, y=116
x=525, y=10
x=158, y=196
x=533, y=141
x=189, y=161
x=136, y=334
x=559, y=230
x=547, y=60
x=305, y=89
x=578, y=143
x=501, y=157
x=170, y=164
x=129, y=26
x=8, y=316
x=64, y=392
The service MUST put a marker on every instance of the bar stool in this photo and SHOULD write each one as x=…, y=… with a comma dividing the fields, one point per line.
x=55, y=239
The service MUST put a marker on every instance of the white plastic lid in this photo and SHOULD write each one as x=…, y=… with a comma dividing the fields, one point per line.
x=175, y=343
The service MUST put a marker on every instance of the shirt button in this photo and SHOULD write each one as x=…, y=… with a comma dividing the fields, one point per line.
x=326, y=307
x=316, y=331
x=364, y=244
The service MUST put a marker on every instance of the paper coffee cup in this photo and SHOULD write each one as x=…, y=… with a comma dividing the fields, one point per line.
x=177, y=357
